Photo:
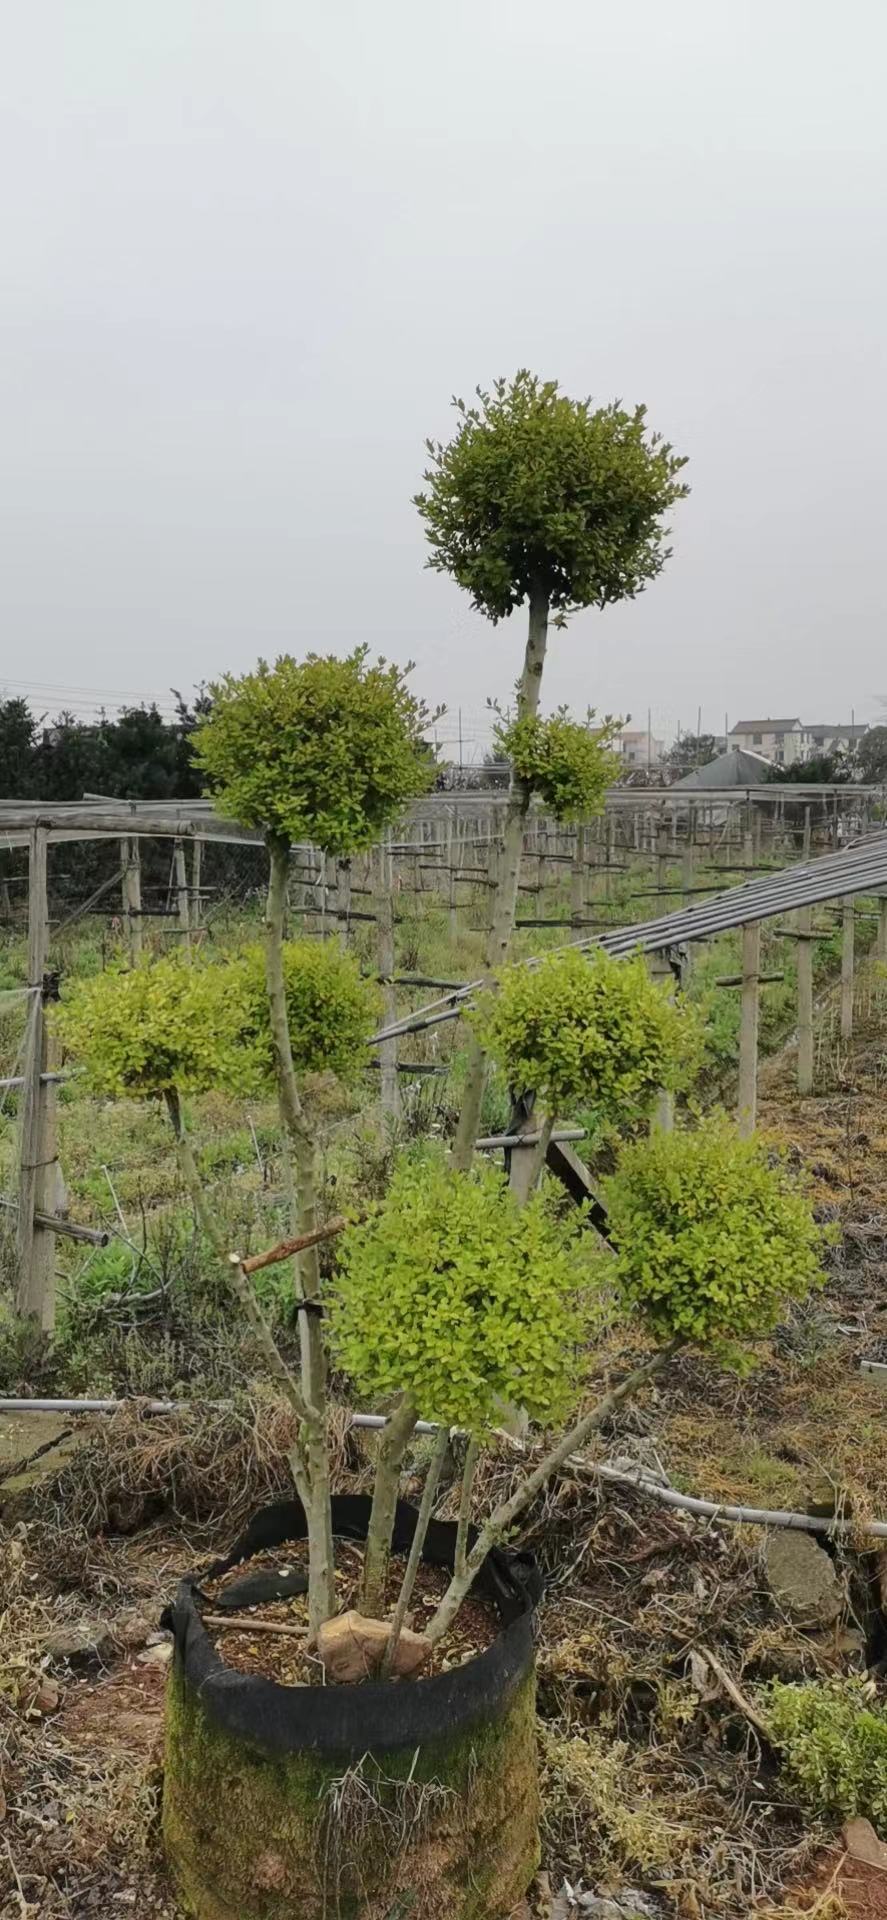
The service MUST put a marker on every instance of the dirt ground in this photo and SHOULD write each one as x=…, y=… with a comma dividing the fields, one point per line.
x=654, y=1774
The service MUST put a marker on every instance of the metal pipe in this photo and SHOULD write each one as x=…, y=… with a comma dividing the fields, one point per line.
x=665, y=1496
x=371, y=1421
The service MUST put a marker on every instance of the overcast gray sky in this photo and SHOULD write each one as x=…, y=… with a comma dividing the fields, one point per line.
x=249, y=248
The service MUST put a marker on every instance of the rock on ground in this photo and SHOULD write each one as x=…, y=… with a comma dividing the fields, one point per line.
x=803, y=1579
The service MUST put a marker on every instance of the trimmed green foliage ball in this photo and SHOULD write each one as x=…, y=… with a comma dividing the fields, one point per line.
x=167, y=1023
x=536, y=490
x=454, y=1295
x=203, y=1024
x=331, y=1010
x=584, y=1029
x=569, y=766
x=711, y=1237
x=321, y=749
x=833, y=1740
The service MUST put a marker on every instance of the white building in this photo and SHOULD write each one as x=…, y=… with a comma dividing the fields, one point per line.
x=638, y=748
x=782, y=741
x=826, y=735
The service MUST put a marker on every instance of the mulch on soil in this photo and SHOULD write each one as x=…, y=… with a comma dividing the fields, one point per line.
x=293, y=1663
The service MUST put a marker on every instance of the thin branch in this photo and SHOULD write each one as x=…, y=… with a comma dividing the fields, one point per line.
x=504, y=1516
x=429, y=1493
x=472, y=1455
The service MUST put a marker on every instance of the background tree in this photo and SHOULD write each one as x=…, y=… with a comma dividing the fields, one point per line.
x=871, y=756
x=543, y=500
x=692, y=750
x=834, y=768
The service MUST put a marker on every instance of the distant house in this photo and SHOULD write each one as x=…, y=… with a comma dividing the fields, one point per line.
x=825, y=736
x=738, y=767
x=640, y=749
x=782, y=741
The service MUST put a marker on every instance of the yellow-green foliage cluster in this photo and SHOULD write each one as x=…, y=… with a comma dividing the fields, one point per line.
x=711, y=1237
x=331, y=1010
x=584, y=1029
x=165, y=1024
x=536, y=490
x=459, y=1298
x=568, y=765
x=833, y=1740
x=203, y=1024
x=321, y=749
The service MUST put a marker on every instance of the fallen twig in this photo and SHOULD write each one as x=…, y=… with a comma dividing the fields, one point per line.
x=226, y=1621
x=738, y=1698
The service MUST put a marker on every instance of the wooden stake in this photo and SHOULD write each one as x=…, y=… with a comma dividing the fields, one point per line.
x=804, y=953
x=196, y=871
x=881, y=947
x=577, y=876
x=847, y=944
x=343, y=900
x=182, y=891
x=132, y=897
x=39, y=1189
x=663, y=1118
x=385, y=923
x=748, y=1027
x=451, y=882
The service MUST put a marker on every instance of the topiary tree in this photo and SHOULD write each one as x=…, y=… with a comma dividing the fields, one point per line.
x=545, y=500
x=584, y=1030
x=714, y=1298
x=169, y=1027
x=331, y=751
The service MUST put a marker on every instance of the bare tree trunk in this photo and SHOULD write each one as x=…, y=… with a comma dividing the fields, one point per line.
x=393, y=1443
x=505, y=897
x=321, y=1591
x=504, y=1516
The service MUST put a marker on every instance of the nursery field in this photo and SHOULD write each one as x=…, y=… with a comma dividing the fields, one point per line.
x=471, y=1251
x=660, y=1632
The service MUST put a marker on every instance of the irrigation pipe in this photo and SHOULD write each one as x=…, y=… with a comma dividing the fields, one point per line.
x=637, y=1482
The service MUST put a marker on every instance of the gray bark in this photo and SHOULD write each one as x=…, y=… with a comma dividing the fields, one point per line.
x=321, y=1591
x=505, y=897
x=504, y=1516
x=391, y=1453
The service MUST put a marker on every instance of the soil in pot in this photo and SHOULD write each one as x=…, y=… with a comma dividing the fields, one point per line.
x=246, y=1644
x=401, y=1800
